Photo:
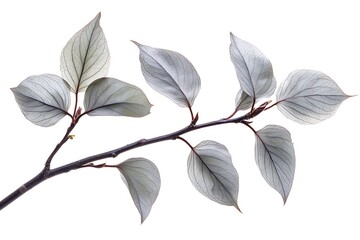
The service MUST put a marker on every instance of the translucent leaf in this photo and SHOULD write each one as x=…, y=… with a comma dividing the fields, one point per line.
x=112, y=97
x=85, y=57
x=143, y=181
x=309, y=97
x=275, y=157
x=43, y=99
x=253, y=69
x=212, y=173
x=170, y=73
x=243, y=101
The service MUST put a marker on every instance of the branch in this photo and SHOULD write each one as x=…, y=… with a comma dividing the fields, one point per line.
x=39, y=178
x=58, y=146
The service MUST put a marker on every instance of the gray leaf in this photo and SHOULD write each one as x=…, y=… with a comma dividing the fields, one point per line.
x=253, y=69
x=309, y=97
x=275, y=157
x=212, y=173
x=112, y=97
x=143, y=181
x=243, y=101
x=85, y=57
x=43, y=99
x=170, y=73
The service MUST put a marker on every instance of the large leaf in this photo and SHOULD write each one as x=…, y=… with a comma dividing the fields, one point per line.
x=253, y=69
x=212, y=173
x=308, y=96
x=85, y=57
x=112, y=97
x=170, y=73
x=275, y=157
x=143, y=181
x=43, y=99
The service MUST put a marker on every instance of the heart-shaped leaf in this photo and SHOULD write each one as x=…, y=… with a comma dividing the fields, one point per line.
x=309, y=97
x=143, y=181
x=43, y=99
x=275, y=157
x=170, y=73
x=85, y=57
x=112, y=97
x=212, y=173
x=253, y=69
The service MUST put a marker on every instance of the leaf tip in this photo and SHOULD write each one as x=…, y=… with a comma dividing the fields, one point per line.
x=96, y=19
x=237, y=207
x=136, y=43
x=284, y=200
x=98, y=16
x=231, y=36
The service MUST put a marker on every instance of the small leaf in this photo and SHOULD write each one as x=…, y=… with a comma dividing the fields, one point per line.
x=253, y=69
x=112, y=97
x=243, y=101
x=143, y=181
x=212, y=173
x=309, y=97
x=85, y=57
x=43, y=99
x=170, y=73
x=275, y=157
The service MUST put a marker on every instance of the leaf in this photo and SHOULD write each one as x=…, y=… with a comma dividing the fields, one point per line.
x=43, y=99
x=112, y=97
x=170, y=73
x=243, y=101
x=309, y=97
x=253, y=69
x=85, y=57
x=212, y=173
x=143, y=181
x=275, y=157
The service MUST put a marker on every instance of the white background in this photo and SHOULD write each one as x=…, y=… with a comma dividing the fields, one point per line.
x=95, y=204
